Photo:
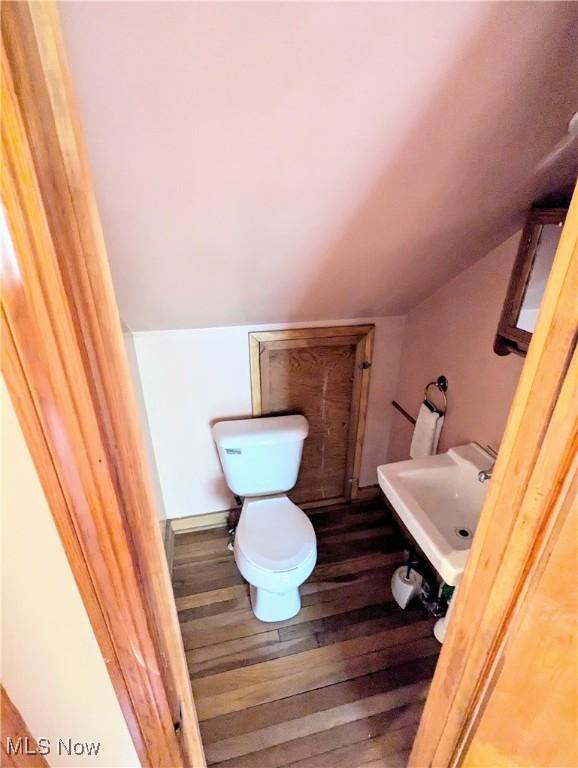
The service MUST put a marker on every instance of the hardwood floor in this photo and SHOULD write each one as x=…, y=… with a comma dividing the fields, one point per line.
x=340, y=685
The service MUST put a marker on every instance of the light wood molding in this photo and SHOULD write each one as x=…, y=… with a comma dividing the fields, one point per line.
x=65, y=367
x=536, y=681
x=522, y=509
x=200, y=522
x=320, y=332
x=359, y=411
x=255, y=368
x=15, y=729
x=210, y=520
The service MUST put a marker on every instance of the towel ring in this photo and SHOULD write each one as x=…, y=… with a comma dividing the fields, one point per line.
x=441, y=384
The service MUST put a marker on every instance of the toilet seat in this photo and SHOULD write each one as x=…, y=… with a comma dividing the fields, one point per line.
x=275, y=536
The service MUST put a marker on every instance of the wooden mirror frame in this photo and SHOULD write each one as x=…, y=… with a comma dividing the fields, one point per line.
x=510, y=338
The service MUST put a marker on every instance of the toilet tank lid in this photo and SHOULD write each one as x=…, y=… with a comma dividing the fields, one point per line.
x=269, y=430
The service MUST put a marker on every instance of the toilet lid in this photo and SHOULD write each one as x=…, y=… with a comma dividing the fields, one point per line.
x=274, y=534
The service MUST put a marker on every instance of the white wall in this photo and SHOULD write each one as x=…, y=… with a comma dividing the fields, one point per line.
x=192, y=378
x=144, y=422
x=52, y=667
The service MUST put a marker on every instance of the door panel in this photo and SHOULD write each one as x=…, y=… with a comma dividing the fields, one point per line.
x=542, y=722
x=320, y=377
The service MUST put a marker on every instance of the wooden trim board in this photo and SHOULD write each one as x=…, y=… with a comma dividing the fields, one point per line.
x=200, y=522
x=523, y=506
x=210, y=520
x=317, y=332
x=15, y=734
x=510, y=338
x=359, y=410
x=65, y=367
x=255, y=368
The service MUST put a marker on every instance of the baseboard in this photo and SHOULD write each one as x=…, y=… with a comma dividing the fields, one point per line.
x=178, y=525
x=199, y=522
x=320, y=505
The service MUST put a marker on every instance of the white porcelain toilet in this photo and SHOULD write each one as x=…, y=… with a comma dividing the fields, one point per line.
x=275, y=546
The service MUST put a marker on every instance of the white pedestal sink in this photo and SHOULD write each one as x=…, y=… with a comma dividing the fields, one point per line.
x=439, y=500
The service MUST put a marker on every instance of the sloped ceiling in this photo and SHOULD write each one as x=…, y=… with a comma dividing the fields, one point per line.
x=273, y=162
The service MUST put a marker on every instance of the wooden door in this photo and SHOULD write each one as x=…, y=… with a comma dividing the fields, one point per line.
x=322, y=373
x=541, y=726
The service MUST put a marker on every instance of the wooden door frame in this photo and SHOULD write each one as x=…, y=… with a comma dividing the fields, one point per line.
x=66, y=370
x=14, y=727
x=364, y=336
x=525, y=507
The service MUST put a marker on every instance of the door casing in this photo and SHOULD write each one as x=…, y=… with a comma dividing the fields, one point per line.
x=66, y=369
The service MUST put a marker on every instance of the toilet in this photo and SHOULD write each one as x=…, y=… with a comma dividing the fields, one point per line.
x=275, y=546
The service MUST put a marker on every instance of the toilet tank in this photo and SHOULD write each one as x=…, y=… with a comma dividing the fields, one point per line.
x=261, y=456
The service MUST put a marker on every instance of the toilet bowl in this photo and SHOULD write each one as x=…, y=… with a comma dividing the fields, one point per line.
x=275, y=547
x=275, y=551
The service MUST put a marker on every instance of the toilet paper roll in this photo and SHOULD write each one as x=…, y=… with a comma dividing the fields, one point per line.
x=403, y=587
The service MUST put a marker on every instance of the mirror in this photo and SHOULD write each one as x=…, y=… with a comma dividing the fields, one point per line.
x=528, y=280
x=543, y=259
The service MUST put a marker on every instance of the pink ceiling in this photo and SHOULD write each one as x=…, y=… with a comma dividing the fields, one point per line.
x=271, y=162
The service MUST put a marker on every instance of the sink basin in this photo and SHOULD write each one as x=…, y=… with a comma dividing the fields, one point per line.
x=439, y=500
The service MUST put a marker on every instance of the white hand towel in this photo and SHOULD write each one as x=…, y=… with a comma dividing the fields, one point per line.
x=426, y=434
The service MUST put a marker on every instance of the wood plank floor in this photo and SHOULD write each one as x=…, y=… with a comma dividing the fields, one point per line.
x=342, y=684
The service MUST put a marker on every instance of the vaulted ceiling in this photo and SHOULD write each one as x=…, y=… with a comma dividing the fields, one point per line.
x=278, y=162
